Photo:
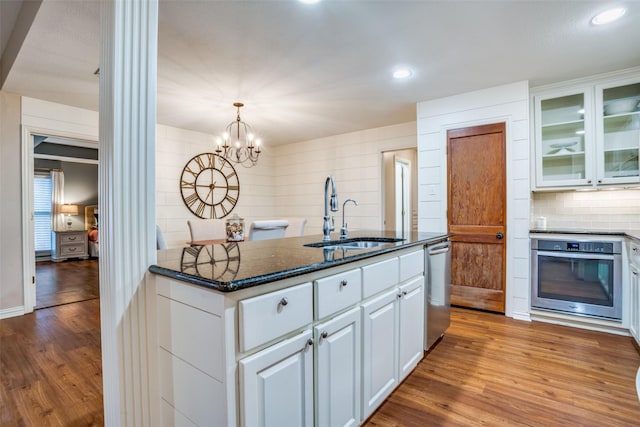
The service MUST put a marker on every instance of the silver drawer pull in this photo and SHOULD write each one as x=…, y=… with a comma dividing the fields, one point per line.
x=72, y=249
x=324, y=335
x=73, y=237
x=635, y=273
x=343, y=283
x=309, y=342
x=284, y=301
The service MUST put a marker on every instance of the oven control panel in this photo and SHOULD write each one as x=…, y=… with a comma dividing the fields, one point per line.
x=598, y=247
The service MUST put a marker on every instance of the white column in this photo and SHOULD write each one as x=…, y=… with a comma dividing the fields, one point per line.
x=128, y=67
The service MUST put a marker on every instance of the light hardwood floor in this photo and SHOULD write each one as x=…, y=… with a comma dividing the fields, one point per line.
x=490, y=370
x=487, y=371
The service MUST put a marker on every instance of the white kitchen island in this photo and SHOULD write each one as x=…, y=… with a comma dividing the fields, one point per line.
x=288, y=335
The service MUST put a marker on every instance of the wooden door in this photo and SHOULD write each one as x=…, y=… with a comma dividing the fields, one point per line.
x=338, y=369
x=476, y=215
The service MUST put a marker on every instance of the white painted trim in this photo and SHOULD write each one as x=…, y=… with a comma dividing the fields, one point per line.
x=71, y=142
x=5, y=313
x=58, y=130
x=127, y=199
x=518, y=315
x=65, y=159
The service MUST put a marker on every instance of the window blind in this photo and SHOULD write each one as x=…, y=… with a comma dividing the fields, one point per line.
x=42, y=213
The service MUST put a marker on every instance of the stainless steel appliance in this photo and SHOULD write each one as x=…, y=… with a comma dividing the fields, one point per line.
x=577, y=276
x=438, y=291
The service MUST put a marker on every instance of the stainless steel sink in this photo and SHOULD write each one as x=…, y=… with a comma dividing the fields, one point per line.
x=355, y=243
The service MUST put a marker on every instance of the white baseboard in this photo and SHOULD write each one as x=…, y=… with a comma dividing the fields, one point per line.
x=11, y=312
x=583, y=322
x=521, y=315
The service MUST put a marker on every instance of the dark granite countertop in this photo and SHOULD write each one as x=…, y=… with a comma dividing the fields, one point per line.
x=230, y=267
x=632, y=234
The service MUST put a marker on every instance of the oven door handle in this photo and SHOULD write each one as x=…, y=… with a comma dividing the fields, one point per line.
x=574, y=255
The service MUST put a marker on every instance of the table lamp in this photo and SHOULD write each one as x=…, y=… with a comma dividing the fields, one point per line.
x=69, y=210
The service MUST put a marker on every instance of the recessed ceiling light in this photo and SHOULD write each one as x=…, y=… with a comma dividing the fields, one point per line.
x=309, y=1
x=608, y=16
x=401, y=73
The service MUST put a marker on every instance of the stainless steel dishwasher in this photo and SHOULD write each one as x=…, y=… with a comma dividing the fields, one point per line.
x=438, y=291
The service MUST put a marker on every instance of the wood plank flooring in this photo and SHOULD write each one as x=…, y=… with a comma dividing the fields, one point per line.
x=490, y=370
x=51, y=368
x=65, y=282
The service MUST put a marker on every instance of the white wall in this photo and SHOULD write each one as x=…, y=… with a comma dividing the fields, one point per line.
x=509, y=104
x=607, y=210
x=11, y=273
x=355, y=160
x=175, y=147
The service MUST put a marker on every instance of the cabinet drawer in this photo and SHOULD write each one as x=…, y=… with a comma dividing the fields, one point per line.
x=411, y=265
x=70, y=250
x=72, y=238
x=269, y=316
x=379, y=276
x=337, y=292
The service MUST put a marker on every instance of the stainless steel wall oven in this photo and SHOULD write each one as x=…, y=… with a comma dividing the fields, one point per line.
x=577, y=276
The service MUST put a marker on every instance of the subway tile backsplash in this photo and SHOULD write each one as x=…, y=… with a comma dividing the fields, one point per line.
x=610, y=210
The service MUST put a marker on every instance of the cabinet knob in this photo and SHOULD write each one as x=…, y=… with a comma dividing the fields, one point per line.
x=284, y=301
x=399, y=295
x=635, y=273
x=324, y=335
x=309, y=342
x=499, y=235
x=599, y=181
x=589, y=182
x=343, y=283
x=404, y=293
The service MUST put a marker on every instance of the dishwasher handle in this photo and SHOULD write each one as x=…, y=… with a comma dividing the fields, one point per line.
x=439, y=249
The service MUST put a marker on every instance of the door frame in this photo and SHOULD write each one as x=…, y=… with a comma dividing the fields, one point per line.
x=28, y=247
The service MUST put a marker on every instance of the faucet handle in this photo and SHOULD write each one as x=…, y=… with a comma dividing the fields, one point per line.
x=333, y=223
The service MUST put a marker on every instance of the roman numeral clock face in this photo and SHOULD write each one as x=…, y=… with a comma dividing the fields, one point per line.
x=209, y=185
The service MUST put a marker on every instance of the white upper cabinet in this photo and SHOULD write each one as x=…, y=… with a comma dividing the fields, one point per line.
x=587, y=135
x=618, y=128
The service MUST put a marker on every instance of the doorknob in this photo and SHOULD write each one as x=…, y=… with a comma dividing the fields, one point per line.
x=499, y=235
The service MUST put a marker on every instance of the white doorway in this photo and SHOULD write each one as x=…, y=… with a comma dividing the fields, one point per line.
x=399, y=190
x=37, y=157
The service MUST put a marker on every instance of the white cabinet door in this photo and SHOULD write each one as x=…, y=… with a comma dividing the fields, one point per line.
x=564, y=142
x=411, y=323
x=379, y=349
x=338, y=370
x=618, y=132
x=277, y=384
x=634, y=325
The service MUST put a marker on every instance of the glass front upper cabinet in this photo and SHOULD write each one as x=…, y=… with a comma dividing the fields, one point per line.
x=618, y=128
x=563, y=135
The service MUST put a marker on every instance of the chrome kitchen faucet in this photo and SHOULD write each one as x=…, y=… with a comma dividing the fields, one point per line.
x=343, y=229
x=328, y=226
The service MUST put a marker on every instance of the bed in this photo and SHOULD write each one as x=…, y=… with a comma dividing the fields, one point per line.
x=91, y=225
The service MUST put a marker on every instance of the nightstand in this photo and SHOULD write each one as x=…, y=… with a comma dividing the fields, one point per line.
x=68, y=244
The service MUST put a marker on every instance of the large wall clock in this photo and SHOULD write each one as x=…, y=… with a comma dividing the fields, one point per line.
x=209, y=185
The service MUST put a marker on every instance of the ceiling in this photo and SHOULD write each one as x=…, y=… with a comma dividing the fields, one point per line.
x=309, y=71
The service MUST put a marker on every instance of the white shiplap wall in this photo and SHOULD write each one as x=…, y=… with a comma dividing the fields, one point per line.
x=174, y=149
x=355, y=160
x=509, y=104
